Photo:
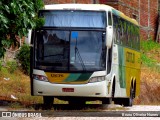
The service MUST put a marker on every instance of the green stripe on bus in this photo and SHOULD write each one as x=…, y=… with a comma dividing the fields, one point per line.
x=116, y=12
x=72, y=77
x=76, y=77
x=84, y=76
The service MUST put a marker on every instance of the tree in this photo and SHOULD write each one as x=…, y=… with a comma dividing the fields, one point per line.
x=16, y=18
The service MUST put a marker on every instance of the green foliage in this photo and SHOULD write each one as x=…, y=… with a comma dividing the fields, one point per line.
x=148, y=50
x=24, y=58
x=16, y=105
x=147, y=61
x=0, y=65
x=12, y=66
x=149, y=45
x=16, y=18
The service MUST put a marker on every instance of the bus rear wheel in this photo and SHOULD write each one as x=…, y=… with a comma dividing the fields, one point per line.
x=129, y=101
x=126, y=101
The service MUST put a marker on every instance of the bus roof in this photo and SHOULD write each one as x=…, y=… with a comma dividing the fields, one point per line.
x=78, y=7
x=122, y=15
x=95, y=7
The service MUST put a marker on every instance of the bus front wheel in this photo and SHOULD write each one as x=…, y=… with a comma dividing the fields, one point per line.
x=107, y=101
x=48, y=102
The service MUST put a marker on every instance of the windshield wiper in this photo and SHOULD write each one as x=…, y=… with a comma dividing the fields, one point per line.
x=79, y=56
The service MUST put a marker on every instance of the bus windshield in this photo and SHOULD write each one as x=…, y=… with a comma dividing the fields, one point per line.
x=71, y=41
x=70, y=50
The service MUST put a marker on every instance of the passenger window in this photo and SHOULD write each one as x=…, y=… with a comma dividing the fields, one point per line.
x=109, y=18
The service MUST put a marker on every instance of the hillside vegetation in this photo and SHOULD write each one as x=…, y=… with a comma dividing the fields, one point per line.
x=150, y=74
x=13, y=82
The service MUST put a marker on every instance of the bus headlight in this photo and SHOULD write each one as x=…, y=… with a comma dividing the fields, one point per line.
x=40, y=77
x=97, y=79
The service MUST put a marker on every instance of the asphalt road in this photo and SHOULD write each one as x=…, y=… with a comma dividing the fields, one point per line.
x=87, y=112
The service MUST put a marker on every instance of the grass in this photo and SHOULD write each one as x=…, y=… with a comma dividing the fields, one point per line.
x=149, y=45
x=150, y=87
x=150, y=55
x=150, y=74
x=17, y=85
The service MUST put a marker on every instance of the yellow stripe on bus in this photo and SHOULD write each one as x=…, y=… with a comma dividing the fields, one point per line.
x=57, y=77
x=132, y=60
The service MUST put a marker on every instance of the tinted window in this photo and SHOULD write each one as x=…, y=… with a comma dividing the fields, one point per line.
x=67, y=18
x=70, y=50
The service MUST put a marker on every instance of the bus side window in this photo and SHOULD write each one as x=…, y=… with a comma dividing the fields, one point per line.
x=137, y=38
x=121, y=31
x=129, y=33
x=124, y=32
x=109, y=18
x=109, y=61
x=115, y=28
x=134, y=37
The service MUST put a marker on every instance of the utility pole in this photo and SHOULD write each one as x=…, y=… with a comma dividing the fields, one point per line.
x=95, y=1
x=149, y=19
x=139, y=5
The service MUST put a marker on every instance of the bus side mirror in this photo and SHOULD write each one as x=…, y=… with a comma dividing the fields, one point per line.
x=109, y=37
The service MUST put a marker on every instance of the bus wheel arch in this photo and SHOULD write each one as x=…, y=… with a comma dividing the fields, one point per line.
x=112, y=92
x=134, y=87
x=129, y=101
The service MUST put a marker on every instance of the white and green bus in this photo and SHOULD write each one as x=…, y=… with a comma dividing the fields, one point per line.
x=85, y=52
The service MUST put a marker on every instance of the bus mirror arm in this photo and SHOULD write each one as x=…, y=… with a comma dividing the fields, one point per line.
x=109, y=36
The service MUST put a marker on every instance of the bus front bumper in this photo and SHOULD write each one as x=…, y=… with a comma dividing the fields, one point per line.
x=97, y=89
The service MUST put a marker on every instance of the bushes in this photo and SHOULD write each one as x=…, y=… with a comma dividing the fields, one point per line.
x=24, y=58
x=0, y=64
x=11, y=66
x=150, y=54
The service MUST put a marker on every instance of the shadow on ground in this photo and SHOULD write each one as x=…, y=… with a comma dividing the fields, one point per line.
x=82, y=107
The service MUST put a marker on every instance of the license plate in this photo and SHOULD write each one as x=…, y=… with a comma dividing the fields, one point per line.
x=67, y=89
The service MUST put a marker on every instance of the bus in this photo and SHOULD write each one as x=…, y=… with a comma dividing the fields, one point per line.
x=85, y=52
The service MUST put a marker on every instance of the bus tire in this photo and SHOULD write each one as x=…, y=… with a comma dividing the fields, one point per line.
x=134, y=93
x=126, y=101
x=118, y=101
x=48, y=102
x=129, y=101
x=107, y=101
